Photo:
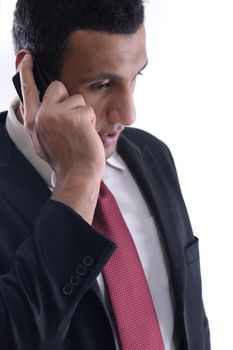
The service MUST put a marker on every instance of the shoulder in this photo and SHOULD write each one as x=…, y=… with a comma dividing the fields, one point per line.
x=3, y=117
x=140, y=136
x=153, y=150
x=144, y=139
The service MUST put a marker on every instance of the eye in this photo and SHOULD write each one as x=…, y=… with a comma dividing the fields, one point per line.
x=100, y=85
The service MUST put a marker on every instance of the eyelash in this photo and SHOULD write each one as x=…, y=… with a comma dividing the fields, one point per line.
x=100, y=86
x=103, y=86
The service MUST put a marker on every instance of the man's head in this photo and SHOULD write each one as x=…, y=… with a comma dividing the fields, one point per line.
x=44, y=26
x=96, y=48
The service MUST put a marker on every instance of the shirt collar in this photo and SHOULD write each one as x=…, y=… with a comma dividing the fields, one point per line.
x=116, y=161
x=23, y=142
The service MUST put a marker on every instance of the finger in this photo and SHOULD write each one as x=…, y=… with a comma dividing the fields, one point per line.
x=91, y=115
x=55, y=93
x=29, y=90
x=86, y=115
x=73, y=102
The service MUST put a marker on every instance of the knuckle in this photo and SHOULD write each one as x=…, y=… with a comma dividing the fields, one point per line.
x=91, y=113
x=79, y=100
x=87, y=111
x=25, y=88
x=86, y=114
x=58, y=86
x=28, y=91
x=28, y=124
x=90, y=110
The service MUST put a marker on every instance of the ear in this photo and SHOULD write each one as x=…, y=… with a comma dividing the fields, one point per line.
x=19, y=56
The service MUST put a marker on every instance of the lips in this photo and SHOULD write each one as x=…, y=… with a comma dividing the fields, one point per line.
x=109, y=138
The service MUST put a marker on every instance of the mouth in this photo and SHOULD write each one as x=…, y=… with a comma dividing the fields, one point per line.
x=109, y=138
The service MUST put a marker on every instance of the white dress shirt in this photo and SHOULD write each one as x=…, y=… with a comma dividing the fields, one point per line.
x=141, y=224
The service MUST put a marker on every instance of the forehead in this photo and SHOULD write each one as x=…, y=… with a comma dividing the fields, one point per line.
x=91, y=51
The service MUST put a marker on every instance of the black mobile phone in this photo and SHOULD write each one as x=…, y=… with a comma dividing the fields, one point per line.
x=42, y=82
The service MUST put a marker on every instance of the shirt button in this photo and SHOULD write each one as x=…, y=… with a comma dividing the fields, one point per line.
x=75, y=280
x=81, y=270
x=88, y=260
x=67, y=289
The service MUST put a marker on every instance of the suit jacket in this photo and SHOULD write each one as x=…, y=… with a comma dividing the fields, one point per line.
x=50, y=257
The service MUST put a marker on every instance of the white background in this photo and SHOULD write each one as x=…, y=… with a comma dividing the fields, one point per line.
x=185, y=98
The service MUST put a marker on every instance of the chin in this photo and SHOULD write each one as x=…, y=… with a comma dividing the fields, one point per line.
x=109, y=151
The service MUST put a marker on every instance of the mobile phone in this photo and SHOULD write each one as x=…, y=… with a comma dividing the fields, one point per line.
x=41, y=80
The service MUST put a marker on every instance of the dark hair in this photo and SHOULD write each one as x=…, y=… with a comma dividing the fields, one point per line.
x=44, y=26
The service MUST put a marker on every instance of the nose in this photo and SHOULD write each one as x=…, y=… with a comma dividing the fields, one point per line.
x=122, y=109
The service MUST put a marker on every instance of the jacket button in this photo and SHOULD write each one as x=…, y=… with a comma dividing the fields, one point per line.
x=88, y=260
x=67, y=289
x=81, y=270
x=75, y=280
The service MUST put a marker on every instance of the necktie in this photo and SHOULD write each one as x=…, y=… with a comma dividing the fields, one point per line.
x=130, y=296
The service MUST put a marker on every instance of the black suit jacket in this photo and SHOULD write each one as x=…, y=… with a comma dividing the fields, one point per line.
x=50, y=257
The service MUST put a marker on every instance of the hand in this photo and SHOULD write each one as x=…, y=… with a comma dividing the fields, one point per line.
x=62, y=129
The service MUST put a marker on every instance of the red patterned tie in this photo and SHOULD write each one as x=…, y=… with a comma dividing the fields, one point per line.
x=131, y=300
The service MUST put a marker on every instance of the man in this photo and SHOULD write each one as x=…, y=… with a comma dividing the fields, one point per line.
x=55, y=288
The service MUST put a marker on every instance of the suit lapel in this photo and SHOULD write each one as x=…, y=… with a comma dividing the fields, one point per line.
x=163, y=200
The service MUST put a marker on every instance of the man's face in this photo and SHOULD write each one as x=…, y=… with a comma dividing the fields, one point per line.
x=103, y=68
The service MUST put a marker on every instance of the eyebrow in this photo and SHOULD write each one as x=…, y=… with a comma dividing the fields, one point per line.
x=112, y=76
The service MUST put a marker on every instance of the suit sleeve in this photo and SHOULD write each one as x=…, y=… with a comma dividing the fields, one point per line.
x=49, y=274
